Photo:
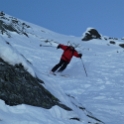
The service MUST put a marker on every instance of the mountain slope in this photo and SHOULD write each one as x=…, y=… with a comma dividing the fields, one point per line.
x=100, y=93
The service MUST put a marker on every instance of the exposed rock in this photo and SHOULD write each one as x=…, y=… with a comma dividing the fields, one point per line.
x=13, y=25
x=112, y=42
x=121, y=45
x=91, y=34
x=17, y=86
x=2, y=13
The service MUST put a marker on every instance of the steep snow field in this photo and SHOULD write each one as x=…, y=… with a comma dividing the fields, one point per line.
x=100, y=92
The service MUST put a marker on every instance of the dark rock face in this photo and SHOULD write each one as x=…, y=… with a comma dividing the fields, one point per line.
x=13, y=25
x=91, y=34
x=17, y=86
x=112, y=42
x=121, y=45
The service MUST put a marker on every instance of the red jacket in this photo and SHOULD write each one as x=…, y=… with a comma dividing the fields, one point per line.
x=68, y=53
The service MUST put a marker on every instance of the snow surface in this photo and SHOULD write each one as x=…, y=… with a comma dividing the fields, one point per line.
x=101, y=92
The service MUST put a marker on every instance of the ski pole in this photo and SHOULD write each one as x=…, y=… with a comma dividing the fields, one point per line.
x=84, y=67
x=45, y=45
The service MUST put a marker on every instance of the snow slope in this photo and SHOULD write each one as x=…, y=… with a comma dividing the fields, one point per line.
x=101, y=92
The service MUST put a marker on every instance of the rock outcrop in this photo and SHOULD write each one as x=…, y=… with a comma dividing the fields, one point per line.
x=17, y=86
x=91, y=34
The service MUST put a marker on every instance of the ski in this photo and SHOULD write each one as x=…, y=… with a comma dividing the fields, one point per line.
x=64, y=75
x=61, y=75
x=55, y=74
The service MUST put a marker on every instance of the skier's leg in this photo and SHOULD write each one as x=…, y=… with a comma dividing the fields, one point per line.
x=56, y=66
x=63, y=66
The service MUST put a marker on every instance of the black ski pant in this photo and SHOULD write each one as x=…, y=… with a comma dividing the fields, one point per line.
x=61, y=66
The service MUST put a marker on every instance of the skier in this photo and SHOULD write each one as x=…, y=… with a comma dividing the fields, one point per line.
x=69, y=52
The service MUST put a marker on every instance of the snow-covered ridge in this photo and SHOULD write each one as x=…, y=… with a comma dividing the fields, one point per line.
x=13, y=57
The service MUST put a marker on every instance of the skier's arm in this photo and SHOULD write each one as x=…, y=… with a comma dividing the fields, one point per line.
x=61, y=46
x=76, y=54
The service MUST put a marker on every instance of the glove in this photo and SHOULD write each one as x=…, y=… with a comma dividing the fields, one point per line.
x=58, y=46
x=80, y=55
